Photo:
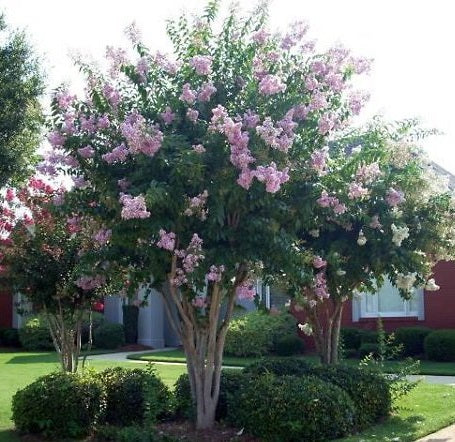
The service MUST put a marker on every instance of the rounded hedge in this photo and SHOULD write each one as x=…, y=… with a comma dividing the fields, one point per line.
x=369, y=391
x=256, y=333
x=289, y=346
x=351, y=337
x=230, y=384
x=412, y=339
x=35, y=334
x=58, y=405
x=109, y=336
x=133, y=395
x=288, y=409
x=369, y=348
x=439, y=345
x=279, y=367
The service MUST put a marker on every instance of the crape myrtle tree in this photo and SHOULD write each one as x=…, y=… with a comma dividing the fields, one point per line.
x=53, y=260
x=20, y=113
x=380, y=210
x=186, y=160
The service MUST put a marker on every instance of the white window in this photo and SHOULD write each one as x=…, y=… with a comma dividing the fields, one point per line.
x=387, y=303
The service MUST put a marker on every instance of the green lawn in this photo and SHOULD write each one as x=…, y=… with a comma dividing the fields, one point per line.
x=426, y=367
x=425, y=410
x=18, y=369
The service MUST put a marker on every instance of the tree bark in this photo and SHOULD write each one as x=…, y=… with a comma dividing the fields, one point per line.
x=203, y=340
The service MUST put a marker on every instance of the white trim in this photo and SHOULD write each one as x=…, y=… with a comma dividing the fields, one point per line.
x=359, y=308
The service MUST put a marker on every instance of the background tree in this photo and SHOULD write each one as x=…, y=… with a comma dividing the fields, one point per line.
x=20, y=112
x=379, y=210
x=186, y=161
x=52, y=260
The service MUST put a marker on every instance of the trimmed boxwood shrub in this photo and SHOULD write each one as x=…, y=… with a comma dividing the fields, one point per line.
x=369, y=336
x=130, y=321
x=288, y=346
x=351, y=337
x=279, y=367
x=256, y=333
x=369, y=391
x=132, y=395
x=440, y=345
x=58, y=405
x=369, y=348
x=288, y=409
x=230, y=384
x=109, y=336
x=412, y=339
x=9, y=337
x=35, y=334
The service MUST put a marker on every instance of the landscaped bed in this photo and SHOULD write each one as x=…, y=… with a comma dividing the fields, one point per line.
x=426, y=409
x=178, y=356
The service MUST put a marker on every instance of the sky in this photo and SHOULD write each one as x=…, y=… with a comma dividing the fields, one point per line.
x=411, y=42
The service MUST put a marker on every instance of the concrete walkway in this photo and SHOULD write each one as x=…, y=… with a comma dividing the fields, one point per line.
x=444, y=435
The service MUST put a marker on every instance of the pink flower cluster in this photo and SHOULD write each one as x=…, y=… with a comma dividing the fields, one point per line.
x=117, y=155
x=261, y=36
x=281, y=137
x=167, y=65
x=190, y=258
x=250, y=119
x=320, y=286
x=356, y=190
x=86, y=152
x=246, y=290
x=103, y=236
x=271, y=84
x=272, y=177
x=64, y=99
x=111, y=94
x=356, y=102
x=202, y=64
x=167, y=116
x=394, y=197
x=331, y=201
x=326, y=123
x=199, y=302
x=368, y=173
x=196, y=205
x=167, y=240
x=298, y=31
x=88, y=283
x=215, y=273
x=206, y=91
x=319, y=160
x=198, y=148
x=375, y=224
x=192, y=115
x=318, y=262
x=188, y=95
x=133, y=207
x=141, y=137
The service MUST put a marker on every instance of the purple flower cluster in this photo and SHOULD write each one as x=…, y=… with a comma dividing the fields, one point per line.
x=215, y=273
x=319, y=160
x=88, y=283
x=102, y=236
x=272, y=177
x=167, y=116
x=394, y=197
x=356, y=190
x=167, y=240
x=271, y=84
x=190, y=257
x=246, y=290
x=202, y=64
x=188, y=95
x=141, y=137
x=206, y=91
x=192, y=115
x=118, y=154
x=86, y=152
x=133, y=207
x=196, y=206
x=320, y=286
x=368, y=173
x=331, y=201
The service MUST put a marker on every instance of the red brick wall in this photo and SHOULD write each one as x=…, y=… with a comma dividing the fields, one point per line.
x=439, y=307
x=6, y=309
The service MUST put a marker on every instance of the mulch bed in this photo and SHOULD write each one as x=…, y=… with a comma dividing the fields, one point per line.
x=185, y=431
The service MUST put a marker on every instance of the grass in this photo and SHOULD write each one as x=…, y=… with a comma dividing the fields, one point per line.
x=173, y=356
x=426, y=409
x=18, y=369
